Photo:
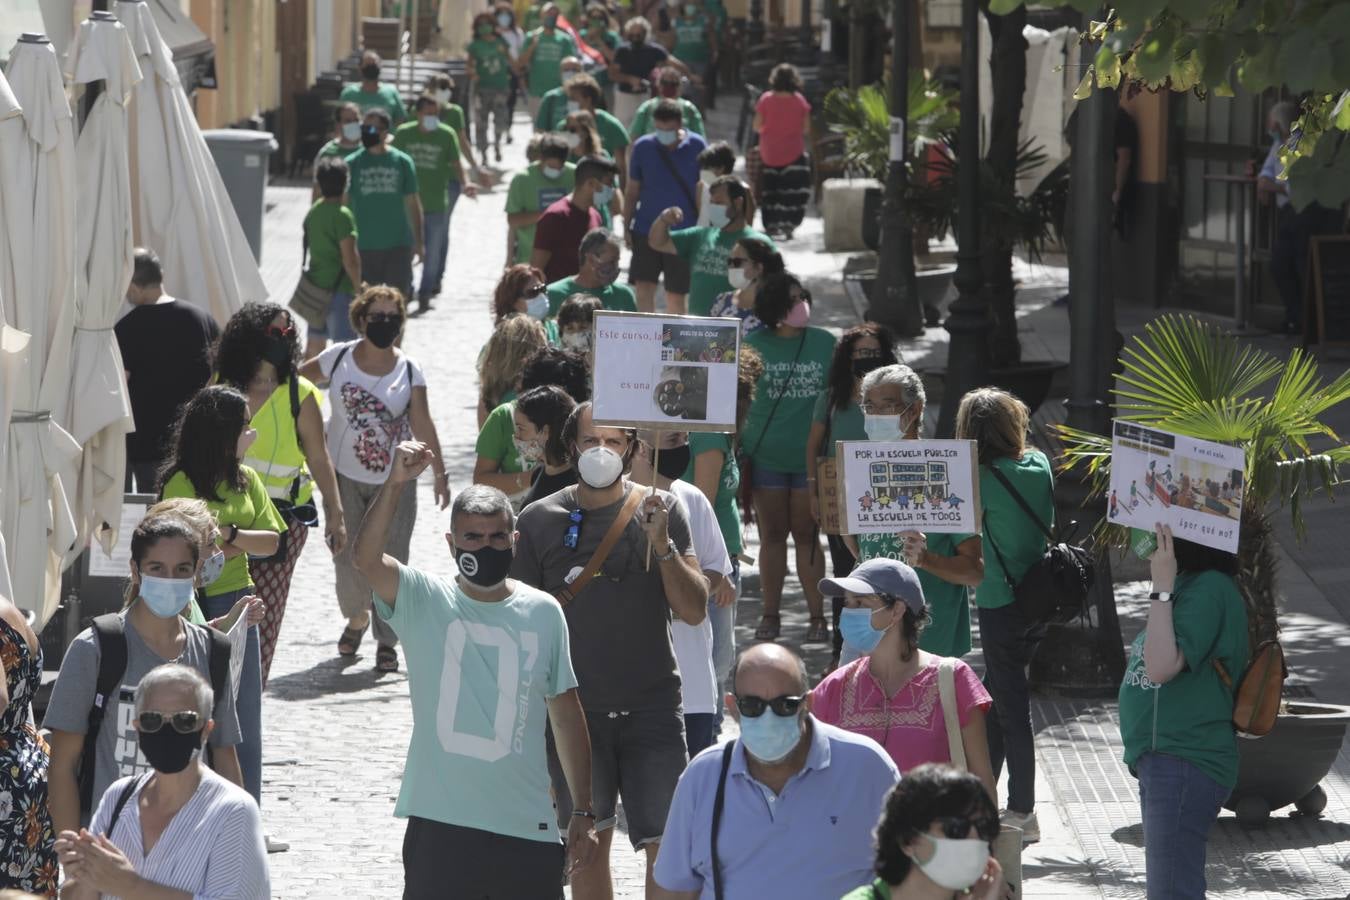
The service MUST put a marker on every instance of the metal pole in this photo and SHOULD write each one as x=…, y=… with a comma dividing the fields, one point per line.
x=1240, y=277
x=969, y=322
x=895, y=293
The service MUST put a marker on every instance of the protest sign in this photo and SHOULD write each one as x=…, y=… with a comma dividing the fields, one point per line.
x=891, y=486
x=1194, y=486
x=673, y=373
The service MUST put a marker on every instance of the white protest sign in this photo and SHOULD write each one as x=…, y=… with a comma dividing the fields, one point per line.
x=891, y=486
x=238, y=636
x=676, y=373
x=1194, y=486
x=117, y=564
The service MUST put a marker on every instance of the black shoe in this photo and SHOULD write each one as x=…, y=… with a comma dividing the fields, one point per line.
x=508, y=140
x=423, y=305
x=499, y=150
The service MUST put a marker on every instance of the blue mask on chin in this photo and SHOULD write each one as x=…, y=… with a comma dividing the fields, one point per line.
x=770, y=737
x=855, y=626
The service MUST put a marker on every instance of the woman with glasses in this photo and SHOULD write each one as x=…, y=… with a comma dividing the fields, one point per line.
x=379, y=398
x=935, y=840
x=749, y=261
x=258, y=355
x=796, y=359
x=203, y=833
x=521, y=289
x=838, y=416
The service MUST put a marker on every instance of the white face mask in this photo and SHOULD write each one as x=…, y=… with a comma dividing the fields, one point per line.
x=956, y=864
x=577, y=340
x=537, y=307
x=551, y=171
x=572, y=139
x=351, y=132
x=573, y=106
x=442, y=96
x=212, y=566
x=708, y=176
x=431, y=123
x=883, y=428
x=530, y=452
x=599, y=467
x=738, y=278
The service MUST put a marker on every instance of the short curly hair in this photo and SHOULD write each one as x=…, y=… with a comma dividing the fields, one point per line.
x=239, y=351
x=360, y=307
x=511, y=287
x=927, y=793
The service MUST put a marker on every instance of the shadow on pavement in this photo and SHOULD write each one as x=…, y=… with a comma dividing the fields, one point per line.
x=327, y=677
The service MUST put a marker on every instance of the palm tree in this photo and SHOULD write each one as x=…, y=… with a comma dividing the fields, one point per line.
x=1189, y=378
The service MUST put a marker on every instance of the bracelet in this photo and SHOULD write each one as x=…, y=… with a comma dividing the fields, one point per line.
x=584, y=813
x=669, y=554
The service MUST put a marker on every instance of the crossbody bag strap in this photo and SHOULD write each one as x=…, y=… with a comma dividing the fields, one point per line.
x=719, y=800
x=947, y=696
x=1026, y=507
x=989, y=535
x=779, y=399
x=568, y=592
x=122, y=802
x=688, y=194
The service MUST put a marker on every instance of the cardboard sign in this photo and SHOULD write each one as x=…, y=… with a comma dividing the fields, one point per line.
x=1194, y=486
x=676, y=373
x=891, y=486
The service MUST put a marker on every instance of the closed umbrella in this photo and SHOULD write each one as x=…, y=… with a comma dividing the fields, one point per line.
x=181, y=209
x=100, y=412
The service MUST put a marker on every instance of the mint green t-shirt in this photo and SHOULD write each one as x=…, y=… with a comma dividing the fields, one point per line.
x=480, y=676
x=847, y=424
x=1191, y=716
x=386, y=97
x=948, y=632
x=613, y=136
x=327, y=225
x=497, y=438
x=782, y=448
x=1007, y=527
x=491, y=63
x=706, y=249
x=378, y=184
x=725, y=507
x=546, y=63
x=436, y=155
x=552, y=107
x=642, y=119
x=250, y=509
x=533, y=191
x=615, y=296
x=691, y=39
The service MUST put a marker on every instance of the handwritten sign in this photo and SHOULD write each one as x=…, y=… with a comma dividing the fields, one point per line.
x=667, y=372
x=891, y=486
x=1194, y=486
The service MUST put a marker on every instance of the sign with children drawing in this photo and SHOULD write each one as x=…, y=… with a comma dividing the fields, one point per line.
x=890, y=486
x=1194, y=486
x=666, y=372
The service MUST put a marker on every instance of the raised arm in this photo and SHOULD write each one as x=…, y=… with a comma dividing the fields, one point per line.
x=659, y=235
x=411, y=459
x=686, y=588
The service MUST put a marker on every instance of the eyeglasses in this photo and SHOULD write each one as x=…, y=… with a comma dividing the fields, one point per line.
x=573, y=530
x=184, y=722
x=753, y=707
x=884, y=409
x=736, y=262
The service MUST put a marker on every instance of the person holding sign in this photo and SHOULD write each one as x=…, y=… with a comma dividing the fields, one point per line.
x=1176, y=715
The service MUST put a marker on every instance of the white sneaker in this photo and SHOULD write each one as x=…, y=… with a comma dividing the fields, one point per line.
x=1031, y=829
x=275, y=846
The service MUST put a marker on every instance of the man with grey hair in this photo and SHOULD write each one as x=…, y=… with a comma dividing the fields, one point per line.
x=598, y=255
x=489, y=662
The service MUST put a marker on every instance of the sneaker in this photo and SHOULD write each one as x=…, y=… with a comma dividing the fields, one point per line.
x=1031, y=829
x=274, y=845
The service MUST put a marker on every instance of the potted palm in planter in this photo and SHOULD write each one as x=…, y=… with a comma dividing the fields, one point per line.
x=1187, y=377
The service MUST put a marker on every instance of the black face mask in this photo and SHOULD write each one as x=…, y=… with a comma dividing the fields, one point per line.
x=168, y=750
x=370, y=136
x=867, y=364
x=485, y=567
x=672, y=462
x=277, y=351
x=370, y=73
x=637, y=41
x=384, y=332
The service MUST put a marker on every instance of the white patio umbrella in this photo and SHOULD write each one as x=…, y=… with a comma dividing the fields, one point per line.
x=100, y=412
x=37, y=286
x=181, y=210
x=13, y=343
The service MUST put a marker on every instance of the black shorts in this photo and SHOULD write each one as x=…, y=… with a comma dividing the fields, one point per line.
x=648, y=265
x=479, y=864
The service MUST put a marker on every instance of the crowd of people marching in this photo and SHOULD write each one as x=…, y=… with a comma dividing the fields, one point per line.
x=585, y=654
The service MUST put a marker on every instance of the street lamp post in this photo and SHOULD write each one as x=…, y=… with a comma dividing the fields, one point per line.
x=969, y=322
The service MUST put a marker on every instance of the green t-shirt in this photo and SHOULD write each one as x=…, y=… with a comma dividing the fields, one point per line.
x=642, y=119
x=552, y=107
x=453, y=115
x=611, y=40
x=379, y=183
x=251, y=509
x=491, y=62
x=948, y=634
x=546, y=63
x=327, y=225
x=691, y=39
x=726, y=508
x=385, y=97
x=497, y=439
x=333, y=148
x=436, y=155
x=1020, y=541
x=616, y=296
x=847, y=424
x=480, y=675
x=706, y=251
x=613, y=136
x=1191, y=715
x=877, y=890
x=533, y=191
x=782, y=448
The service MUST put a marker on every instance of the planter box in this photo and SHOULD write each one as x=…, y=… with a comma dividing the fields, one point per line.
x=843, y=204
x=1287, y=765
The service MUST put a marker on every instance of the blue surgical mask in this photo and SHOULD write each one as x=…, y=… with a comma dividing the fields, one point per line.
x=770, y=737
x=855, y=626
x=883, y=428
x=603, y=196
x=537, y=307
x=166, y=597
x=668, y=136
x=718, y=217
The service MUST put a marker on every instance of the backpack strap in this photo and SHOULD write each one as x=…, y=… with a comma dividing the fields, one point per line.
x=111, y=638
x=719, y=799
x=122, y=799
x=950, y=716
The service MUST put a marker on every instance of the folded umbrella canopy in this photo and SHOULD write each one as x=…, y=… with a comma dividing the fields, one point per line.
x=181, y=209
x=37, y=295
x=100, y=412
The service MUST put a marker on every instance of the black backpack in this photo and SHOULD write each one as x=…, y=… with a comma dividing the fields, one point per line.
x=111, y=638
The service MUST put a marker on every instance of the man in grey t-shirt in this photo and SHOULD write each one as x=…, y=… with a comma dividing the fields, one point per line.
x=117, y=751
x=620, y=629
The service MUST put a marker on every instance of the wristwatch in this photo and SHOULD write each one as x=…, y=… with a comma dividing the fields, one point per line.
x=1161, y=596
x=669, y=554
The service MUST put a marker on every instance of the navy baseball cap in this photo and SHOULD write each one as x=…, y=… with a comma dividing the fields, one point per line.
x=879, y=576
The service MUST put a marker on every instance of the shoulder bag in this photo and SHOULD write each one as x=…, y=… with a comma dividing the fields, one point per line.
x=1055, y=588
x=568, y=592
x=310, y=301
x=745, y=461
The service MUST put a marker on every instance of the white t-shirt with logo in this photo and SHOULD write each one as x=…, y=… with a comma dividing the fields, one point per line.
x=370, y=412
x=693, y=643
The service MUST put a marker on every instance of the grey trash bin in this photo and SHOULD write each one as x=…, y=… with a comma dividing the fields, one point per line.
x=242, y=158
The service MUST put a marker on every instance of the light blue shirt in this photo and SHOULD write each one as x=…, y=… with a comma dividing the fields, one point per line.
x=480, y=675
x=1272, y=169
x=814, y=839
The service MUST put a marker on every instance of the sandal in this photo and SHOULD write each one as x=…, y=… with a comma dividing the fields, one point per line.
x=386, y=659
x=350, y=641
x=769, y=626
x=818, y=632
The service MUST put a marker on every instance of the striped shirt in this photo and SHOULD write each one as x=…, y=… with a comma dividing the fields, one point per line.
x=212, y=848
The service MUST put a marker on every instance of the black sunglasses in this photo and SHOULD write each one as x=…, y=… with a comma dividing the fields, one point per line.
x=534, y=291
x=736, y=262
x=753, y=707
x=384, y=317
x=958, y=827
x=184, y=722
x=573, y=530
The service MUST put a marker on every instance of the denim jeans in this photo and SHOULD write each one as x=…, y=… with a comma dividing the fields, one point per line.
x=1007, y=649
x=248, y=705
x=392, y=266
x=436, y=237
x=338, y=326
x=1179, y=804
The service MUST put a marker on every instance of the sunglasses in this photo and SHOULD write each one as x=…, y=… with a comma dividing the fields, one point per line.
x=573, y=530
x=958, y=828
x=184, y=722
x=534, y=291
x=753, y=707
x=282, y=331
x=385, y=317
x=736, y=262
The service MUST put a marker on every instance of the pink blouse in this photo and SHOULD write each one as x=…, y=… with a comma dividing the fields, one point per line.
x=909, y=724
